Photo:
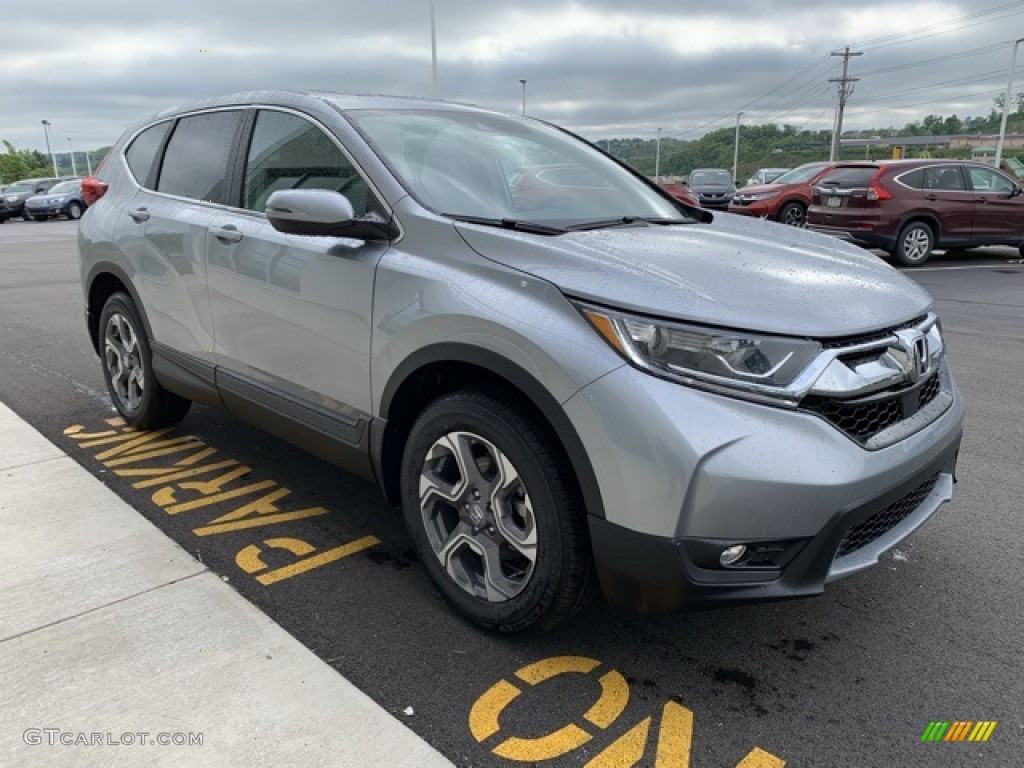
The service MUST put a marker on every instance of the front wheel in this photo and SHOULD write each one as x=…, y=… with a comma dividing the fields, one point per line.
x=793, y=214
x=128, y=368
x=494, y=514
x=914, y=244
x=26, y=216
x=74, y=211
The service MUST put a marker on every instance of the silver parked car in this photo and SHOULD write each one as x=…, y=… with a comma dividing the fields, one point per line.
x=559, y=373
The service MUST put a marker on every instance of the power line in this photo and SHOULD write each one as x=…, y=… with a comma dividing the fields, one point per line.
x=942, y=27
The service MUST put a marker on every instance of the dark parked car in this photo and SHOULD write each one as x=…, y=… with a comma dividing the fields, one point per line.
x=786, y=199
x=909, y=207
x=680, y=193
x=559, y=373
x=20, y=191
x=63, y=199
x=712, y=187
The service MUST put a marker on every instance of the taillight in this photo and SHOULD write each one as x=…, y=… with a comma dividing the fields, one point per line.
x=875, y=190
x=93, y=189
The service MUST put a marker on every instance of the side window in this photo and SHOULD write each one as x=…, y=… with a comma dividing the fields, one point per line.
x=943, y=177
x=288, y=152
x=141, y=155
x=913, y=179
x=196, y=161
x=984, y=180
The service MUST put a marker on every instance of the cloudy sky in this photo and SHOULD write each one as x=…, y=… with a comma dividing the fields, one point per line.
x=602, y=68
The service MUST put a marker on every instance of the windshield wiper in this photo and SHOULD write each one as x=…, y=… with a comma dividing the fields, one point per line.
x=626, y=221
x=532, y=227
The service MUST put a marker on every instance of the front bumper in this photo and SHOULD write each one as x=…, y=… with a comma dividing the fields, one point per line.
x=685, y=474
x=45, y=210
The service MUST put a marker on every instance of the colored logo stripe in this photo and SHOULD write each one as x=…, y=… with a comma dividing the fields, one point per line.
x=958, y=730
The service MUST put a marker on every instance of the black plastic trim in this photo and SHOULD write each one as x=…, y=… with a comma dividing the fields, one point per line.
x=342, y=440
x=92, y=321
x=185, y=375
x=549, y=407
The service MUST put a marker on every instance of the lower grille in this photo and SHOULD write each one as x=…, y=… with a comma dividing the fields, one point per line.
x=880, y=523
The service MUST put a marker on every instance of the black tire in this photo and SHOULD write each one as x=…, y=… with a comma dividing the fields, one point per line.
x=74, y=211
x=914, y=244
x=561, y=578
x=794, y=214
x=26, y=216
x=124, y=345
x=1021, y=251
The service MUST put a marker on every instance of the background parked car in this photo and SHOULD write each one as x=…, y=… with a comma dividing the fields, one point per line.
x=785, y=199
x=713, y=187
x=680, y=193
x=909, y=207
x=63, y=199
x=20, y=191
x=765, y=176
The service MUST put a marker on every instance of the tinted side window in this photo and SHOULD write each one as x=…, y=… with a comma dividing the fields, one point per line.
x=288, y=152
x=913, y=179
x=984, y=180
x=849, y=178
x=141, y=155
x=943, y=177
x=196, y=161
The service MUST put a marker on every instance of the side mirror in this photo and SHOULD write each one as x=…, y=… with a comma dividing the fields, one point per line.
x=323, y=213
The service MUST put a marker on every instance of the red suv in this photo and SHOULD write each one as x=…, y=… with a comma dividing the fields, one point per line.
x=909, y=207
x=785, y=199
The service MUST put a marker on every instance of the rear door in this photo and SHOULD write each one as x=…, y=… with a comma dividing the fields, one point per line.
x=999, y=216
x=947, y=198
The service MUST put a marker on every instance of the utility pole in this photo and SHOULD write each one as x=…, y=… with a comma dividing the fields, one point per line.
x=845, y=88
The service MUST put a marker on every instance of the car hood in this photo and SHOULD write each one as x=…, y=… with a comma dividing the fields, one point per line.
x=757, y=189
x=737, y=272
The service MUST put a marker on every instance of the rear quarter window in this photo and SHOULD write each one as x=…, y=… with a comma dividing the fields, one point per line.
x=913, y=179
x=141, y=154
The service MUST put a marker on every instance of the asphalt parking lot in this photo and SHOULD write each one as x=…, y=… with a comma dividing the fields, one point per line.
x=851, y=678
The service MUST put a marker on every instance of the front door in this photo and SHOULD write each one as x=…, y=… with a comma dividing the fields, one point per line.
x=291, y=313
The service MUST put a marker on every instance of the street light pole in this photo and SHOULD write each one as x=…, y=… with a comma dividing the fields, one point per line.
x=46, y=131
x=657, y=158
x=524, y=96
x=1006, y=102
x=433, y=47
x=88, y=162
x=74, y=168
x=736, y=148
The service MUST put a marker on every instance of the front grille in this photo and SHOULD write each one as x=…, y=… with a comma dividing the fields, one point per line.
x=880, y=523
x=862, y=420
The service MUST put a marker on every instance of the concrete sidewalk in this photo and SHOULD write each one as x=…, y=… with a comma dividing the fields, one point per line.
x=109, y=630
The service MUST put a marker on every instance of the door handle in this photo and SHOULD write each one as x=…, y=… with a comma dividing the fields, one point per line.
x=931, y=197
x=139, y=215
x=983, y=199
x=226, y=234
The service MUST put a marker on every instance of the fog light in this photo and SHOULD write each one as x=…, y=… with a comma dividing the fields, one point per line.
x=731, y=555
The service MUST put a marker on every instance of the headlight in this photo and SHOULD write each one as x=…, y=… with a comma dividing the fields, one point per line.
x=751, y=365
x=763, y=196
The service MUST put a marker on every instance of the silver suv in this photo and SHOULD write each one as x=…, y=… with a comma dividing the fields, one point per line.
x=561, y=375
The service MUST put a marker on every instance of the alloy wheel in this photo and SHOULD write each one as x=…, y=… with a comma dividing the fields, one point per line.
x=122, y=354
x=478, y=516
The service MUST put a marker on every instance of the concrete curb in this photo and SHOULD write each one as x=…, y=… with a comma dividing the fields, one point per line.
x=113, y=639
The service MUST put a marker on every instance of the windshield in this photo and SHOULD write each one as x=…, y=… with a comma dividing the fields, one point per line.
x=21, y=186
x=483, y=165
x=64, y=188
x=710, y=177
x=803, y=173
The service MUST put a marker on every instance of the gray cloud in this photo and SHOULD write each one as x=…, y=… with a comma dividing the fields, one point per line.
x=599, y=67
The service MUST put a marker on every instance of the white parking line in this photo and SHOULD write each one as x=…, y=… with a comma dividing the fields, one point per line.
x=1014, y=262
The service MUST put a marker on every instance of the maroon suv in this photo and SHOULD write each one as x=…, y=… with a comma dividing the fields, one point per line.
x=909, y=207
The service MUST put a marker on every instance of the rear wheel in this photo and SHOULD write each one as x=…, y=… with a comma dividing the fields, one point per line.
x=793, y=214
x=494, y=515
x=128, y=368
x=914, y=244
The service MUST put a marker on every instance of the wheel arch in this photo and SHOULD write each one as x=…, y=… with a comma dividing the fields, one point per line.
x=104, y=280
x=923, y=217
x=445, y=367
